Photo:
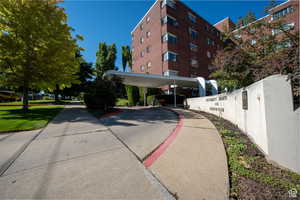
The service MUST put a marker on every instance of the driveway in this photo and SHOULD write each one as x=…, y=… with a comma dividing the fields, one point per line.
x=79, y=156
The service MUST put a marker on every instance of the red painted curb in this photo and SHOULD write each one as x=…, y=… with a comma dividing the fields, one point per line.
x=162, y=148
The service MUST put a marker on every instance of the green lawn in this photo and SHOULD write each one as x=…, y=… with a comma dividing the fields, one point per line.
x=12, y=118
x=38, y=102
x=122, y=102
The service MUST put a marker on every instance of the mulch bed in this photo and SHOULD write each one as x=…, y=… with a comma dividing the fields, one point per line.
x=251, y=176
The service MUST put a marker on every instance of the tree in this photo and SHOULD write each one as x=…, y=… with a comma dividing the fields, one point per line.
x=126, y=57
x=85, y=76
x=37, y=50
x=105, y=58
x=247, y=19
x=240, y=22
x=250, y=17
x=267, y=48
x=233, y=69
x=272, y=4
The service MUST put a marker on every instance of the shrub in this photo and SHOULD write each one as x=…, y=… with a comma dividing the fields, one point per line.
x=151, y=100
x=100, y=95
x=132, y=94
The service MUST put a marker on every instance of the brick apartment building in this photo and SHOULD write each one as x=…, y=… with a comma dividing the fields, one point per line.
x=171, y=39
x=287, y=11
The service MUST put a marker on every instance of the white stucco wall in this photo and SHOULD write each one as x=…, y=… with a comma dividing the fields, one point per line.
x=270, y=120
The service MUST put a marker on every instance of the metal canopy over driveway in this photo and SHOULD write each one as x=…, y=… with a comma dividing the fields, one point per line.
x=152, y=80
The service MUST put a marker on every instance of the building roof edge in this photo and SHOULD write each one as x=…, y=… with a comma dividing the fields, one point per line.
x=144, y=16
x=221, y=21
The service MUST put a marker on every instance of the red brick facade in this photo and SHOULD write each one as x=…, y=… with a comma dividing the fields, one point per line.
x=225, y=25
x=288, y=17
x=188, y=63
x=149, y=47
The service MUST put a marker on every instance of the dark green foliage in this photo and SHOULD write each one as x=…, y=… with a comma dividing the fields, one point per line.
x=106, y=57
x=84, y=75
x=141, y=95
x=132, y=95
x=272, y=4
x=243, y=21
x=234, y=69
x=126, y=57
x=100, y=95
x=154, y=91
x=151, y=100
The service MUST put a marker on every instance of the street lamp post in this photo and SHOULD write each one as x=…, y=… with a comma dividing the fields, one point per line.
x=174, y=83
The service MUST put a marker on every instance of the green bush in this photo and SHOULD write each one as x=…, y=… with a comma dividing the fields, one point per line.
x=151, y=100
x=132, y=95
x=100, y=95
x=141, y=95
x=122, y=102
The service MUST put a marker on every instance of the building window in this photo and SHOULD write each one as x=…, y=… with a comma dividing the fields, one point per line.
x=282, y=12
x=193, y=33
x=169, y=20
x=168, y=37
x=193, y=47
x=253, y=42
x=170, y=3
x=209, y=41
x=142, y=26
x=285, y=27
x=141, y=40
x=208, y=54
x=142, y=53
x=170, y=56
x=148, y=19
x=288, y=26
x=149, y=64
x=142, y=68
x=284, y=44
x=148, y=48
x=132, y=49
x=148, y=34
x=192, y=17
x=237, y=36
x=194, y=63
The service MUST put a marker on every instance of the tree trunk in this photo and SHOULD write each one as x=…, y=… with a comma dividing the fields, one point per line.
x=56, y=93
x=25, y=97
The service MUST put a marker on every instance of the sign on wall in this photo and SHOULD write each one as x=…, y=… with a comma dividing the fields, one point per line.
x=245, y=100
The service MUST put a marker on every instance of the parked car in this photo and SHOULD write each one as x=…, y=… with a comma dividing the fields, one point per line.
x=7, y=96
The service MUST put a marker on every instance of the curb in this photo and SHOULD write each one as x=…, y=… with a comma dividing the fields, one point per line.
x=163, y=147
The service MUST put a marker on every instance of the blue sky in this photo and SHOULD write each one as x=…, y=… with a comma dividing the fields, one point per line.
x=112, y=21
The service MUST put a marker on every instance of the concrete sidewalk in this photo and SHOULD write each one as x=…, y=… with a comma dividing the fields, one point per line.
x=195, y=165
x=76, y=157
